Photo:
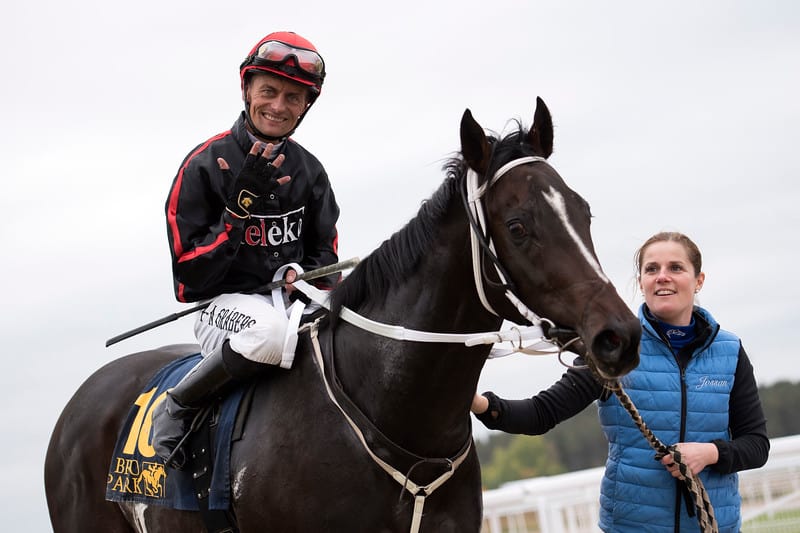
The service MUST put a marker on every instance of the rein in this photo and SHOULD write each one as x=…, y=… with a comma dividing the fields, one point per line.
x=517, y=336
x=702, y=503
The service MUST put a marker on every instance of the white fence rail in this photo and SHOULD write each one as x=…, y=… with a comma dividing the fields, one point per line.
x=569, y=503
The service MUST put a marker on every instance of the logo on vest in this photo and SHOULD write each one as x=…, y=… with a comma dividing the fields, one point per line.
x=706, y=381
x=274, y=230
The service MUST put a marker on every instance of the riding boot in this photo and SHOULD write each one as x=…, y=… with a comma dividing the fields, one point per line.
x=172, y=418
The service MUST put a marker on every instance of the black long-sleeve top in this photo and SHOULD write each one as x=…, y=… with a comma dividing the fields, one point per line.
x=214, y=252
x=578, y=388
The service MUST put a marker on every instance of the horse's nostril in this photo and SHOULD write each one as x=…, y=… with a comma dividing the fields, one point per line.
x=615, y=353
x=607, y=341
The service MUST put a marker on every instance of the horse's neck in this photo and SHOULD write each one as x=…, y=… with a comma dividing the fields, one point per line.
x=418, y=394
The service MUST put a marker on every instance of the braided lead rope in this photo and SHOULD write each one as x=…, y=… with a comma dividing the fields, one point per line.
x=705, y=512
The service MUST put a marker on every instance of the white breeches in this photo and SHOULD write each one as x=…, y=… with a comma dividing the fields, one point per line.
x=257, y=329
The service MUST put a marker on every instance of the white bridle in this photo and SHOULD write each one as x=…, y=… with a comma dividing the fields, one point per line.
x=529, y=340
x=516, y=335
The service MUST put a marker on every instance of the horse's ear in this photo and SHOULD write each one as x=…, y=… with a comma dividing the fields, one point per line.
x=540, y=136
x=474, y=146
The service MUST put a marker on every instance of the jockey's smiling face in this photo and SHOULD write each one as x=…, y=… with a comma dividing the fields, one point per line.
x=275, y=103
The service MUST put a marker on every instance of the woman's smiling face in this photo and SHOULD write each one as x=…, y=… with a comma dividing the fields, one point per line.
x=668, y=282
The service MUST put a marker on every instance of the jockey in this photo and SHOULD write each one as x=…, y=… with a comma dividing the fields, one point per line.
x=243, y=204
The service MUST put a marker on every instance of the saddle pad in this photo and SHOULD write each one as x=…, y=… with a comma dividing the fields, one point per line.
x=137, y=474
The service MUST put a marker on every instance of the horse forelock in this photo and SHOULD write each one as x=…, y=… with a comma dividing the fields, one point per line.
x=512, y=146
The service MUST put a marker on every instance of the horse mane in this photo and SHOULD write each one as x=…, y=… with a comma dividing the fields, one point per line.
x=398, y=256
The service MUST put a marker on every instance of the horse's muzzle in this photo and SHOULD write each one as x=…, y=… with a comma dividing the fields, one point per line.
x=614, y=351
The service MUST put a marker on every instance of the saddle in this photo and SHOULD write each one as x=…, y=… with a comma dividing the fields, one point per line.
x=137, y=474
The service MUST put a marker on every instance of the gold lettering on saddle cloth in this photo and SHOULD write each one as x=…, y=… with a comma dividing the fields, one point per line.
x=131, y=472
x=130, y=476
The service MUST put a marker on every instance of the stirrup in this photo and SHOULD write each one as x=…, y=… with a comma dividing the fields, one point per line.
x=197, y=421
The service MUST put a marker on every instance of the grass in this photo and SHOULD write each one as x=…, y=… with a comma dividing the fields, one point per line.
x=778, y=522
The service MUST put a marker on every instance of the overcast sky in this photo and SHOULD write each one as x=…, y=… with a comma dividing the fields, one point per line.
x=682, y=116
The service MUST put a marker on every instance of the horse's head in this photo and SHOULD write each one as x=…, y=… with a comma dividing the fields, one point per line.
x=543, y=252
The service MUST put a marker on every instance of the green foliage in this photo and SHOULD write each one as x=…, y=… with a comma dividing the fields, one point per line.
x=486, y=448
x=780, y=403
x=522, y=458
x=575, y=444
x=578, y=443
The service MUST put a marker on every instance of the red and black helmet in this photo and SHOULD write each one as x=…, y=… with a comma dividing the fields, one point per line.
x=288, y=55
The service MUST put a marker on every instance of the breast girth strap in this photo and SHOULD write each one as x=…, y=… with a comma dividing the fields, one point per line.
x=419, y=492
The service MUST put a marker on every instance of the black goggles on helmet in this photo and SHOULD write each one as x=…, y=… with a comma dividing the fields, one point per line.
x=274, y=53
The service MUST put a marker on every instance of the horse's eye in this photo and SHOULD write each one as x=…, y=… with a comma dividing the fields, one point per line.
x=517, y=229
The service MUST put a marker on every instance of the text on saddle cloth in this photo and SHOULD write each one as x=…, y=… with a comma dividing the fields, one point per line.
x=137, y=474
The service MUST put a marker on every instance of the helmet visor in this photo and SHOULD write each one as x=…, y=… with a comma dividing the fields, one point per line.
x=278, y=53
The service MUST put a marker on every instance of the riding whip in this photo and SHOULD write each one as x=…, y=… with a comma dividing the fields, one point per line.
x=305, y=276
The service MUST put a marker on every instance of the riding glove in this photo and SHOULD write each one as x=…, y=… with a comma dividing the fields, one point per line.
x=257, y=177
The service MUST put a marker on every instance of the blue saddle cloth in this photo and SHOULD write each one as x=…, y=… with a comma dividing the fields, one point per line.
x=137, y=474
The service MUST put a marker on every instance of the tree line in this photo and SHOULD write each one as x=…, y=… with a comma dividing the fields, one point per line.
x=578, y=443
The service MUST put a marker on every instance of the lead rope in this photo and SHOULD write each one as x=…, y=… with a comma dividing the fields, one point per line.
x=705, y=512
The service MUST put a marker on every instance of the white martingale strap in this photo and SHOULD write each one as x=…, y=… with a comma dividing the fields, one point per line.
x=517, y=336
x=419, y=492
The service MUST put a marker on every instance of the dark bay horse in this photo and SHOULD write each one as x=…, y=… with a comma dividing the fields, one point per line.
x=502, y=238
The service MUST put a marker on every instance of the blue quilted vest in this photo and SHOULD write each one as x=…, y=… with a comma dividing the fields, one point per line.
x=637, y=493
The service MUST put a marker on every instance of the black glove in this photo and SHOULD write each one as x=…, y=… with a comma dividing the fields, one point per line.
x=257, y=177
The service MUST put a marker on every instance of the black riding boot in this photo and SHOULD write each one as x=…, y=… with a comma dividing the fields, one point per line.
x=173, y=417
